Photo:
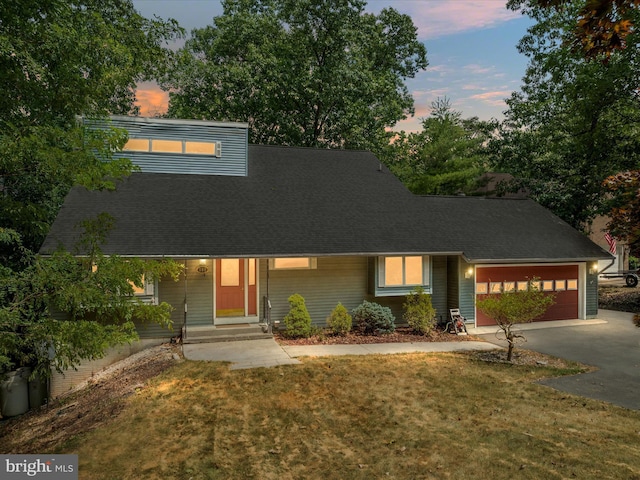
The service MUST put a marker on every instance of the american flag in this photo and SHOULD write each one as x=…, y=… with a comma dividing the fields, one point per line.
x=611, y=241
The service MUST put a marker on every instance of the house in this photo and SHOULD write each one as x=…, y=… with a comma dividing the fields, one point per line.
x=254, y=224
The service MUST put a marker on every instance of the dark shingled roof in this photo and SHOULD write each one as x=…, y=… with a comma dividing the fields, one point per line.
x=313, y=202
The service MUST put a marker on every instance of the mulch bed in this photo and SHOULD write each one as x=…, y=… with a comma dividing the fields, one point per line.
x=401, y=335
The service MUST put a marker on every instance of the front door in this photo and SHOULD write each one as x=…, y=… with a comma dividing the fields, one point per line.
x=236, y=291
x=230, y=296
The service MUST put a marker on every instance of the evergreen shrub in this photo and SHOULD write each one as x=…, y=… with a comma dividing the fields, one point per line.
x=373, y=319
x=419, y=312
x=298, y=321
x=340, y=322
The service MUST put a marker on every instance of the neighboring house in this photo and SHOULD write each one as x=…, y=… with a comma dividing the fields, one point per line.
x=256, y=224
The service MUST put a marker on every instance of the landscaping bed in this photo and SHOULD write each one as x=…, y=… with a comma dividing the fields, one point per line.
x=401, y=335
x=619, y=298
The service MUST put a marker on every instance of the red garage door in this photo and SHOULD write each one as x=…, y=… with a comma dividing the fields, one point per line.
x=562, y=280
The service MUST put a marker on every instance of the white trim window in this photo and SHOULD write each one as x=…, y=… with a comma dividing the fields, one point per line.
x=147, y=294
x=403, y=271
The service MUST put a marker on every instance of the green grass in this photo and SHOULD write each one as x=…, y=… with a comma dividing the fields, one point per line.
x=414, y=416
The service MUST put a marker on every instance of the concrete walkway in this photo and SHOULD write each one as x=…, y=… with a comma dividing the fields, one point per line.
x=268, y=353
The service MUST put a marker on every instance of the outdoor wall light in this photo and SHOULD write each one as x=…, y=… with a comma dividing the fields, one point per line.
x=468, y=273
x=202, y=268
x=594, y=268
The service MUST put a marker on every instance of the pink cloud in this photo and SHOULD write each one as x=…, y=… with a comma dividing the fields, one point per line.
x=151, y=100
x=439, y=18
x=495, y=98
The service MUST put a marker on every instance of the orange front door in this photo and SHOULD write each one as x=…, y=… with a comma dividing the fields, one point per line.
x=230, y=287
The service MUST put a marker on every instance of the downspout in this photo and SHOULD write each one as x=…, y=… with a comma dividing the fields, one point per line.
x=184, y=319
x=613, y=260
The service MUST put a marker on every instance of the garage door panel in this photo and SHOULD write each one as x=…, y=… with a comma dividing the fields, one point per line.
x=566, y=306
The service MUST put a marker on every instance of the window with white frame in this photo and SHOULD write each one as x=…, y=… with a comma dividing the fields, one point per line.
x=403, y=271
x=147, y=289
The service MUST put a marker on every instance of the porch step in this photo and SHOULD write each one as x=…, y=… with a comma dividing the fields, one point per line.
x=223, y=333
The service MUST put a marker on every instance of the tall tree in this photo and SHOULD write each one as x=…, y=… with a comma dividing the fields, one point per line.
x=59, y=59
x=574, y=122
x=301, y=72
x=602, y=26
x=447, y=157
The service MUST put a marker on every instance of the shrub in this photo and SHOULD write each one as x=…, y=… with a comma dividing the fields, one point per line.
x=515, y=307
x=419, y=312
x=339, y=322
x=373, y=319
x=297, y=321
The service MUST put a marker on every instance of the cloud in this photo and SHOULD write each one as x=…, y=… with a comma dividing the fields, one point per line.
x=151, y=100
x=495, y=98
x=437, y=18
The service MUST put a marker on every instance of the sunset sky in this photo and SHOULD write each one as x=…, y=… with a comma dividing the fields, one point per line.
x=471, y=48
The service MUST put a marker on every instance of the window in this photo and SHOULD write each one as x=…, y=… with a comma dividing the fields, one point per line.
x=522, y=286
x=495, y=287
x=147, y=290
x=572, y=284
x=295, y=263
x=561, y=285
x=547, y=285
x=482, y=288
x=159, y=145
x=229, y=272
x=509, y=286
x=403, y=271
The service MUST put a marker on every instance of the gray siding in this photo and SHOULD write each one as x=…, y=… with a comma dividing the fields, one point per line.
x=466, y=289
x=337, y=279
x=591, y=292
x=439, y=285
x=199, y=295
x=453, y=284
x=232, y=137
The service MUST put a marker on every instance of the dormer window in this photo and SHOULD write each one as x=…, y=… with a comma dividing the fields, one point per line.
x=159, y=145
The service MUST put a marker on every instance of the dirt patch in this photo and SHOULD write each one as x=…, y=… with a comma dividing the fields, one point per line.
x=88, y=406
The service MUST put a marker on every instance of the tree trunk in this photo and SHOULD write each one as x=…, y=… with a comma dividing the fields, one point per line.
x=510, y=348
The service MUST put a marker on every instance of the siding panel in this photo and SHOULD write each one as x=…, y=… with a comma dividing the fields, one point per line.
x=337, y=279
x=232, y=136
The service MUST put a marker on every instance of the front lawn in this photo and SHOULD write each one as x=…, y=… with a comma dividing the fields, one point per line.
x=406, y=416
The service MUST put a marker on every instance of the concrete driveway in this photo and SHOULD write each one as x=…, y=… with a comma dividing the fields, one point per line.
x=613, y=346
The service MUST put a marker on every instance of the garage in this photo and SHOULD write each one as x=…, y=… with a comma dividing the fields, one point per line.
x=563, y=280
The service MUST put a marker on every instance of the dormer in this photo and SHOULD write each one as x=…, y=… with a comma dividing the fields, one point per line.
x=164, y=145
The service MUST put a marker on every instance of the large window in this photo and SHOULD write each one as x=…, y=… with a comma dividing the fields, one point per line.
x=399, y=274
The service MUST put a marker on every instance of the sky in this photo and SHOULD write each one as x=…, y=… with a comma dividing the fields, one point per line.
x=471, y=49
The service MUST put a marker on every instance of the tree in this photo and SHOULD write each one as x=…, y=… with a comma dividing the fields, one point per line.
x=60, y=310
x=602, y=26
x=447, y=157
x=318, y=73
x=60, y=59
x=63, y=58
x=515, y=307
x=625, y=211
x=573, y=123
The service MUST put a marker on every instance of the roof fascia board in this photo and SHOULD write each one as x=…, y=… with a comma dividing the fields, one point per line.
x=176, y=121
